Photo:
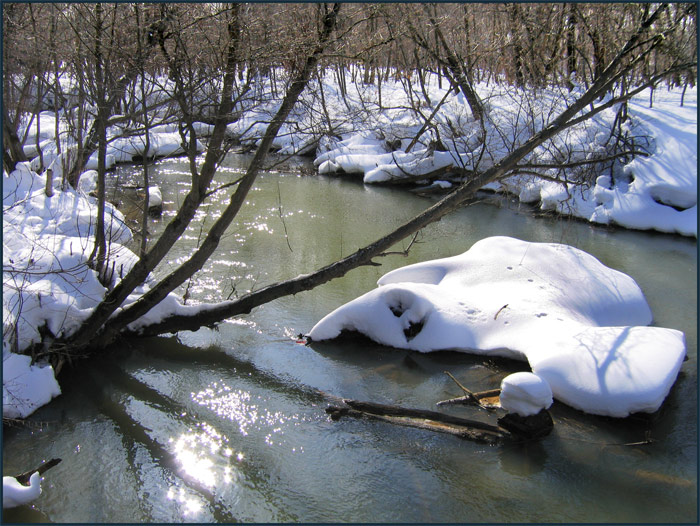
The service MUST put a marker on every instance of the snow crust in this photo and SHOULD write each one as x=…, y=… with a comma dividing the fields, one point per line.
x=15, y=494
x=525, y=394
x=579, y=324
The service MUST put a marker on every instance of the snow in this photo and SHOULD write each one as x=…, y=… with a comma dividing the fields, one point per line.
x=14, y=494
x=353, y=134
x=25, y=387
x=525, y=394
x=581, y=325
x=656, y=192
x=155, y=197
x=660, y=182
x=532, y=310
x=47, y=283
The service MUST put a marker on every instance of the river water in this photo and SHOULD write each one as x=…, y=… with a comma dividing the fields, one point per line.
x=228, y=424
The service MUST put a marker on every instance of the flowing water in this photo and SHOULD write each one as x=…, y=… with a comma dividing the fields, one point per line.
x=228, y=424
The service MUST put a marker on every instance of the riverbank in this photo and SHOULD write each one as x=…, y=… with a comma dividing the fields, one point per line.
x=633, y=166
x=56, y=289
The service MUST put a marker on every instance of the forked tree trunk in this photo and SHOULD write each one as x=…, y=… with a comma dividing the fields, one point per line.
x=98, y=321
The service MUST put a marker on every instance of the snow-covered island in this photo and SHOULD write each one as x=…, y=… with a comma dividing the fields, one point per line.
x=580, y=325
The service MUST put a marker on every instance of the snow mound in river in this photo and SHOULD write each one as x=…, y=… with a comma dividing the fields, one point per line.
x=525, y=394
x=580, y=324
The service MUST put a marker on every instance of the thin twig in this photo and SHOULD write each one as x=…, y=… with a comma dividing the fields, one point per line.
x=468, y=394
x=284, y=224
x=402, y=252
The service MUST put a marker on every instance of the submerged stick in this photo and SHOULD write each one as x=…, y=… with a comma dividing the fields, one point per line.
x=24, y=477
x=421, y=418
x=483, y=399
x=467, y=393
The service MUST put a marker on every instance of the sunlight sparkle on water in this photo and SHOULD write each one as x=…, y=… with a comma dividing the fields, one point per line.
x=237, y=406
x=203, y=454
x=191, y=506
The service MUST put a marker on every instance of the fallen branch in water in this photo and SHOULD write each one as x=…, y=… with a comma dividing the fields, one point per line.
x=485, y=399
x=423, y=419
x=24, y=477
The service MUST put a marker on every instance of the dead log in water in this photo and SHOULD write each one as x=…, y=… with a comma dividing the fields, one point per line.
x=423, y=419
x=511, y=427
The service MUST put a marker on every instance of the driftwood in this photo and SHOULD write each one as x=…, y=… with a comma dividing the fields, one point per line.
x=24, y=477
x=423, y=419
x=485, y=399
x=510, y=427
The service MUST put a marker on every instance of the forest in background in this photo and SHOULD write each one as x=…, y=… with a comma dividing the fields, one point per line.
x=101, y=48
x=115, y=70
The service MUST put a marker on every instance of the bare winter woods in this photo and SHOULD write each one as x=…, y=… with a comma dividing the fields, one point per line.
x=134, y=67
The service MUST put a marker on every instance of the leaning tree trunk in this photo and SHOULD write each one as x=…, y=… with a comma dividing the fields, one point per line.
x=211, y=314
x=98, y=321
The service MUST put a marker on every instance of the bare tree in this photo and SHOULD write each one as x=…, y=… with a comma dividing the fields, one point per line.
x=648, y=35
x=99, y=326
x=242, y=38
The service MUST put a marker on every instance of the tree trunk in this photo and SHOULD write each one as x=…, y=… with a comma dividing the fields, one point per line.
x=571, y=46
x=147, y=146
x=454, y=64
x=100, y=315
x=12, y=148
x=211, y=314
x=515, y=22
x=98, y=256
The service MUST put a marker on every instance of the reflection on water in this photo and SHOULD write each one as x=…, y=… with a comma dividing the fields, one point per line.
x=190, y=506
x=229, y=425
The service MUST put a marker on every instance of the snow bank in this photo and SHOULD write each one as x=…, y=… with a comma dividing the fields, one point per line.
x=375, y=128
x=25, y=387
x=14, y=494
x=48, y=286
x=656, y=192
x=661, y=190
x=580, y=324
x=162, y=143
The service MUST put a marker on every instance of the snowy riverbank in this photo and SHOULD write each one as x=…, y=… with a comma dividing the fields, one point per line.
x=47, y=240
x=379, y=135
x=654, y=192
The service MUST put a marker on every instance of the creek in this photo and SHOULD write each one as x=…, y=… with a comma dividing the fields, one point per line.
x=228, y=424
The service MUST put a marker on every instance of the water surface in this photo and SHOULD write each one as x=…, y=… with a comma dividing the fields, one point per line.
x=228, y=424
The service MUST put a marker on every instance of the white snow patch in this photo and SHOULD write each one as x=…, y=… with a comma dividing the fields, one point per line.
x=525, y=394
x=25, y=387
x=47, y=282
x=580, y=325
x=15, y=494
x=155, y=197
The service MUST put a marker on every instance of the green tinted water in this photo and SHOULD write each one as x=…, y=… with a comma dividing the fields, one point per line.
x=229, y=424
